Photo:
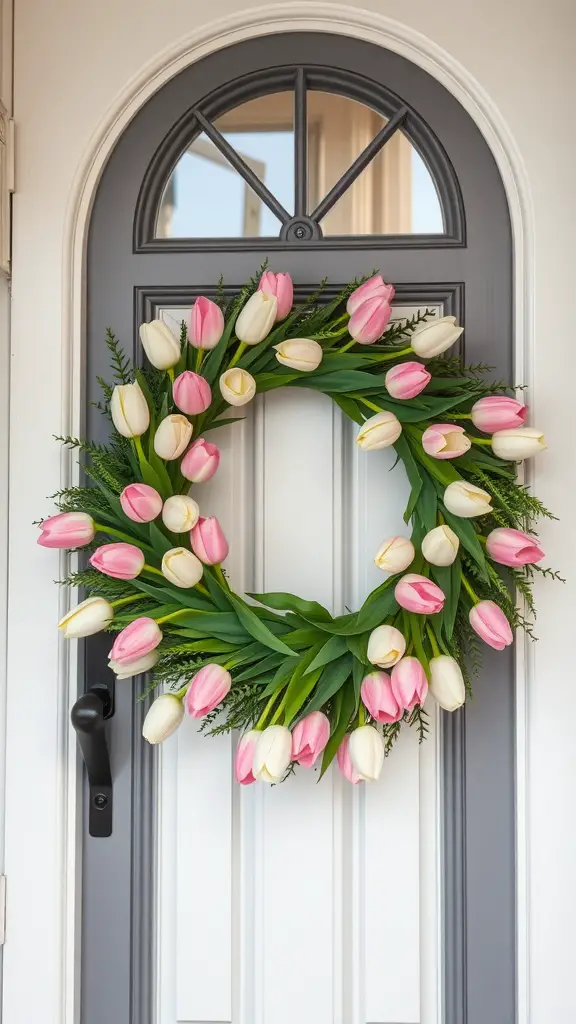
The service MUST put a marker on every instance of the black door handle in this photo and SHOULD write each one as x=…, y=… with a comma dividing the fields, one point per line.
x=88, y=717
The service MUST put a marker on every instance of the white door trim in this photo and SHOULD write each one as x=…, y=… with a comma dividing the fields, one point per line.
x=63, y=871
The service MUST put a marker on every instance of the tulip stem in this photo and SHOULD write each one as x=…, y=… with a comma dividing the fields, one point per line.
x=202, y=589
x=101, y=528
x=348, y=345
x=237, y=355
x=150, y=568
x=170, y=372
x=459, y=416
x=371, y=405
x=432, y=638
x=467, y=587
x=220, y=574
x=481, y=440
x=126, y=600
x=174, y=615
x=361, y=714
x=199, y=358
x=262, y=720
x=394, y=355
x=279, y=709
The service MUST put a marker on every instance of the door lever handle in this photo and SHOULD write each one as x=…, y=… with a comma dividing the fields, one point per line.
x=88, y=717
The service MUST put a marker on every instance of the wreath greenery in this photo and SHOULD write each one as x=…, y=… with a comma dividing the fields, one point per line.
x=280, y=661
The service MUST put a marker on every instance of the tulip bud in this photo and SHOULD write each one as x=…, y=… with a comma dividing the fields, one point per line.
x=409, y=683
x=440, y=546
x=159, y=344
x=345, y=762
x=237, y=386
x=137, y=639
x=377, y=695
x=447, y=683
x=192, y=393
x=374, y=287
x=141, y=503
x=395, y=554
x=309, y=737
x=67, y=530
x=445, y=441
x=256, y=319
x=182, y=568
x=278, y=286
x=120, y=561
x=180, y=513
x=418, y=594
x=200, y=461
x=273, y=753
x=172, y=436
x=163, y=718
x=244, y=760
x=87, y=618
x=369, y=321
x=498, y=412
x=206, y=323
x=466, y=500
x=129, y=410
x=434, y=337
x=367, y=752
x=386, y=645
x=299, y=354
x=517, y=444
x=491, y=625
x=513, y=547
x=208, y=541
x=133, y=668
x=406, y=380
x=207, y=689
x=379, y=431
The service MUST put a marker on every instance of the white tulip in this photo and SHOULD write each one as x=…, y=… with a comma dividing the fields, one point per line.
x=87, y=618
x=299, y=354
x=395, y=554
x=129, y=410
x=163, y=718
x=127, y=669
x=379, y=431
x=182, y=567
x=447, y=683
x=518, y=443
x=466, y=500
x=272, y=754
x=159, y=344
x=434, y=337
x=386, y=645
x=440, y=546
x=257, y=318
x=366, y=749
x=180, y=513
x=172, y=436
x=237, y=386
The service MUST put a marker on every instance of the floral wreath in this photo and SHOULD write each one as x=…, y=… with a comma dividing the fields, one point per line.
x=300, y=683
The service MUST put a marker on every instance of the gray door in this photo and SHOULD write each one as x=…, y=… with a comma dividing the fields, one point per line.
x=181, y=202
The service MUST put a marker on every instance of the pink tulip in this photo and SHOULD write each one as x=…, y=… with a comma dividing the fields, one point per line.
x=208, y=541
x=121, y=561
x=309, y=737
x=374, y=287
x=377, y=695
x=406, y=380
x=369, y=320
x=280, y=286
x=491, y=625
x=200, y=462
x=345, y=761
x=498, y=412
x=141, y=503
x=244, y=760
x=192, y=393
x=67, y=530
x=419, y=594
x=208, y=687
x=206, y=323
x=513, y=547
x=137, y=639
x=445, y=441
x=409, y=683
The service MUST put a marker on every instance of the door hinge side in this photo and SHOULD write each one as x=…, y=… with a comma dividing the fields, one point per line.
x=2, y=909
x=7, y=185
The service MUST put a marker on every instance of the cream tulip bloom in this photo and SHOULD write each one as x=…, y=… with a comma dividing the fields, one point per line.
x=172, y=436
x=440, y=546
x=395, y=554
x=366, y=749
x=466, y=500
x=87, y=618
x=127, y=669
x=447, y=683
x=518, y=443
x=129, y=410
x=163, y=718
x=379, y=431
x=159, y=344
x=432, y=338
x=257, y=318
x=180, y=513
x=272, y=754
x=182, y=568
x=386, y=645
x=237, y=386
x=299, y=354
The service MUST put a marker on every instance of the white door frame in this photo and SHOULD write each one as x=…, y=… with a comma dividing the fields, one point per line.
x=43, y=818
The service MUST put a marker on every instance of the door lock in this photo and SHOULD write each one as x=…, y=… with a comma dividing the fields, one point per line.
x=88, y=717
